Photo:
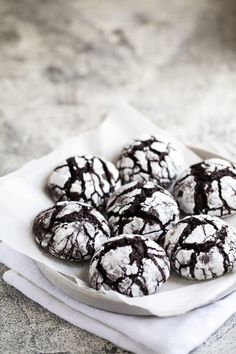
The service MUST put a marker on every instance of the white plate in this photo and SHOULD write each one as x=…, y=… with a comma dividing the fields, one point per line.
x=177, y=296
x=22, y=197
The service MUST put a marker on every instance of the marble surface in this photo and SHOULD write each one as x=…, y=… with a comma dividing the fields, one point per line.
x=63, y=62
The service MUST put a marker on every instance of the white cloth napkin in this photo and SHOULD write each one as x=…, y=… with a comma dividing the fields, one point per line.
x=142, y=335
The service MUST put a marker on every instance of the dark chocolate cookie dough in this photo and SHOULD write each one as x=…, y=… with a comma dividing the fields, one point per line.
x=70, y=230
x=86, y=178
x=143, y=208
x=131, y=265
x=208, y=187
x=201, y=247
x=150, y=158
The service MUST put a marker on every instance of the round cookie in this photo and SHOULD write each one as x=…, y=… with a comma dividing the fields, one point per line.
x=208, y=187
x=70, y=230
x=142, y=208
x=131, y=265
x=150, y=158
x=86, y=178
x=201, y=247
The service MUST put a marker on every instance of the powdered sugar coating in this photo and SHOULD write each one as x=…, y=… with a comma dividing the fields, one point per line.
x=131, y=265
x=71, y=230
x=201, y=247
x=86, y=178
x=150, y=158
x=208, y=187
x=142, y=208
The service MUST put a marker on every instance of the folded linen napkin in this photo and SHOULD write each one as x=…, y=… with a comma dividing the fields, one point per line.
x=138, y=334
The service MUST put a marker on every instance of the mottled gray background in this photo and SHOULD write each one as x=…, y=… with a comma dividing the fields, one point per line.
x=62, y=63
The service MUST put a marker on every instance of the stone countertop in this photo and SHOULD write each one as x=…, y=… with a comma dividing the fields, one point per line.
x=63, y=62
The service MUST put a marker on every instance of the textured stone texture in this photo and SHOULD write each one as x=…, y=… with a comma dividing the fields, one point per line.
x=61, y=64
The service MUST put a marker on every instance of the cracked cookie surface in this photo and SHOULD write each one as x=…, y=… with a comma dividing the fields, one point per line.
x=142, y=208
x=85, y=178
x=70, y=230
x=150, y=158
x=208, y=187
x=131, y=265
x=201, y=247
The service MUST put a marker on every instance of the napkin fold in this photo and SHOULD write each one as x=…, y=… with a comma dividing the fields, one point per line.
x=138, y=334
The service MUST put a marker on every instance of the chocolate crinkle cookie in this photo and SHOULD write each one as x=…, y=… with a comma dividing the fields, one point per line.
x=86, y=178
x=71, y=230
x=150, y=158
x=143, y=208
x=131, y=265
x=201, y=247
x=208, y=187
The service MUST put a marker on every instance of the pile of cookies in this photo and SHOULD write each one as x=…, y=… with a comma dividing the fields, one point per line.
x=125, y=219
